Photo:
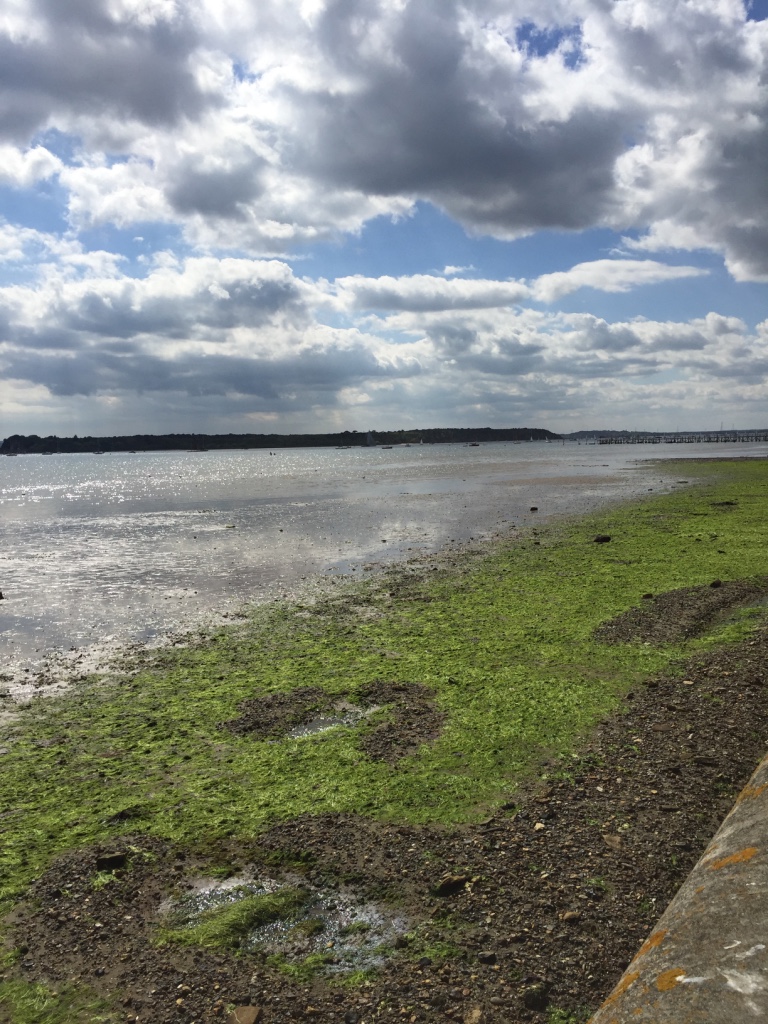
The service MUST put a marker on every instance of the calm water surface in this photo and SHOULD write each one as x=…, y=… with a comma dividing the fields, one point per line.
x=129, y=546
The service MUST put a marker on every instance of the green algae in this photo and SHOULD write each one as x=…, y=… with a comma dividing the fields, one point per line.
x=504, y=638
x=230, y=925
x=38, y=1004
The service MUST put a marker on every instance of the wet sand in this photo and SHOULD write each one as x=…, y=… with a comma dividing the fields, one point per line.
x=100, y=551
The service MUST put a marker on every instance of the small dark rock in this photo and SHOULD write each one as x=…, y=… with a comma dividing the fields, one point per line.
x=424, y=961
x=536, y=997
x=602, y=538
x=450, y=884
x=534, y=508
x=487, y=956
x=351, y=1017
x=111, y=861
x=647, y=597
x=716, y=583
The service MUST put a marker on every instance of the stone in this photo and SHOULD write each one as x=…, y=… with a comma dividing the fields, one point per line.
x=612, y=842
x=245, y=1015
x=473, y=1016
x=536, y=997
x=111, y=861
x=572, y=915
x=486, y=956
x=450, y=884
x=716, y=583
x=602, y=538
x=534, y=508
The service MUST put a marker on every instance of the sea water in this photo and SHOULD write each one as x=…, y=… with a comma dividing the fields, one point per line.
x=127, y=546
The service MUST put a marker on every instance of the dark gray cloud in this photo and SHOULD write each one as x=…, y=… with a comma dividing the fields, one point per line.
x=435, y=117
x=214, y=303
x=276, y=382
x=90, y=63
x=220, y=192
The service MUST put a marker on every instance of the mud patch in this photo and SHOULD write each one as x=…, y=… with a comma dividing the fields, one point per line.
x=681, y=614
x=537, y=909
x=411, y=719
x=403, y=716
x=275, y=714
x=290, y=919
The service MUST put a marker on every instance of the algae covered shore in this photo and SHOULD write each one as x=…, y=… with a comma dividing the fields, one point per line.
x=399, y=801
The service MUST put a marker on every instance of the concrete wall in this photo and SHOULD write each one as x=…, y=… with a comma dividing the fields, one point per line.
x=706, y=961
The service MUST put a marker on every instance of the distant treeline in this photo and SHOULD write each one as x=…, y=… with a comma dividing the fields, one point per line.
x=619, y=435
x=31, y=444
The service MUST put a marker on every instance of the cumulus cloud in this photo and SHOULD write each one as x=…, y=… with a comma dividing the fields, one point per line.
x=252, y=131
x=610, y=276
x=266, y=126
x=270, y=343
x=424, y=292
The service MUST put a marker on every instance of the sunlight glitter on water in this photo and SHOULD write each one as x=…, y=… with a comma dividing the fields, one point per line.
x=129, y=546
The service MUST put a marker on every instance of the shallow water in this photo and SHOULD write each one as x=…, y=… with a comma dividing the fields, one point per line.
x=120, y=547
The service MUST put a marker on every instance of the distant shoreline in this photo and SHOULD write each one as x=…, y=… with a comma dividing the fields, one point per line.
x=32, y=444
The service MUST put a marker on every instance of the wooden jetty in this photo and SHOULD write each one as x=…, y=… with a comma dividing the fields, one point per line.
x=711, y=437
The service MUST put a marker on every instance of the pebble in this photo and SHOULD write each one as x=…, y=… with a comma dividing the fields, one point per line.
x=245, y=1015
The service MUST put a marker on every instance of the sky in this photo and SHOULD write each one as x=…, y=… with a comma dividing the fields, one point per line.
x=317, y=215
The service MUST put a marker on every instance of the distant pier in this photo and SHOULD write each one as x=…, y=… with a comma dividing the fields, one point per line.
x=714, y=437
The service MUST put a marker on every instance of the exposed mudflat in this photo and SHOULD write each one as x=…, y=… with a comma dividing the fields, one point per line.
x=681, y=614
x=539, y=907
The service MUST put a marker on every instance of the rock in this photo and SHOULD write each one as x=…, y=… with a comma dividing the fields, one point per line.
x=536, y=997
x=111, y=861
x=450, y=884
x=661, y=727
x=612, y=842
x=716, y=583
x=487, y=956
x=534, y=508
x=602, y=538
x=245, y=1015
x=473, y=1016
x=572, y=915
x=351, y=1017
x=1, y=596
x=424, y=961
x=647, y=597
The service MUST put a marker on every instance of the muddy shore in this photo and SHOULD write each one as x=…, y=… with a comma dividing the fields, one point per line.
x=528, y=913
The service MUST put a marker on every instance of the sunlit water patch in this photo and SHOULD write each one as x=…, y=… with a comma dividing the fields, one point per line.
x=120, y=547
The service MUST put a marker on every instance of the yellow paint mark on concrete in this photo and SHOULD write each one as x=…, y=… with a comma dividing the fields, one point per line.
x=650, y=943
x=669, y=979
x=626, y=982
x=735, y=858
x=751, y=792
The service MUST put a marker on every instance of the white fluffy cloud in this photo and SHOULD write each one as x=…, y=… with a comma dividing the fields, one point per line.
x=262, y=126
x=272, y=344
x=240, y=134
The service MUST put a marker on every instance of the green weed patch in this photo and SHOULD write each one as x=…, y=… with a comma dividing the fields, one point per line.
x=229, y=926
x=26, y=1003
x=504, y=641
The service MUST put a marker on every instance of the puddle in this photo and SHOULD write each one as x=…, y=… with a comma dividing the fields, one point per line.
x=348, y=931
x=345, y=714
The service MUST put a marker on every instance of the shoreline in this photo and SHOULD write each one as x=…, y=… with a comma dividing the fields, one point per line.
x=24, y=674
x=488, y=729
